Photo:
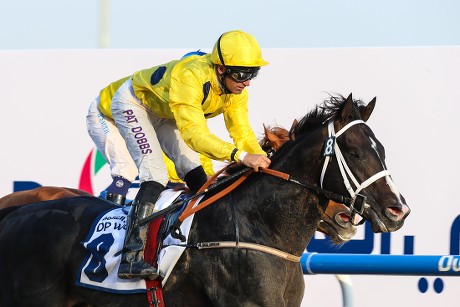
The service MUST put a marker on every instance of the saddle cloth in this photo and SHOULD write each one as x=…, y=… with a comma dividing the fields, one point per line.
x=105, y=241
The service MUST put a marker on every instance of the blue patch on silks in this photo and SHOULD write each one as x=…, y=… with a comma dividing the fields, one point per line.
x=198, y=52
x=206, y=89
x=157, y=75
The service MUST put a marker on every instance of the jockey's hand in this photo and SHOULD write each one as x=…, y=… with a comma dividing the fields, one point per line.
x=256, y=160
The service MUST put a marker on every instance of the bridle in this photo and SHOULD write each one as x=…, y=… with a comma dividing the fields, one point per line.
x=331, y=148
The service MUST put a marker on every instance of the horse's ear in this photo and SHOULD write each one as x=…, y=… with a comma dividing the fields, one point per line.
x=272, y=138
x=294, y=124
x=347, y=111
x=366, y=112
x=266, y=131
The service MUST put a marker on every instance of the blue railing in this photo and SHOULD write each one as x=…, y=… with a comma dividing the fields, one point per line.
x=343, y=265
x=357, y=264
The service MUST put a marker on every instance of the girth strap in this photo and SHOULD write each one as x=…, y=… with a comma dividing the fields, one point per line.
x=247, y=245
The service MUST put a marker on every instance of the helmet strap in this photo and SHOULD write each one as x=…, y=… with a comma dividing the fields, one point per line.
x=219, y=51
x=221, y=77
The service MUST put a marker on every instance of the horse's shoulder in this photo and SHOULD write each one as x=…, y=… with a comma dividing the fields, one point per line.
x=37, y=195
x=15, y=199
x=75, y=206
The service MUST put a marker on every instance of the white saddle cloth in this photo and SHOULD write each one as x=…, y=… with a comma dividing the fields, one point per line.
x=105, y=241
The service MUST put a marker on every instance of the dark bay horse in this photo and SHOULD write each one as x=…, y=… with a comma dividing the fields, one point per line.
x=40, y=243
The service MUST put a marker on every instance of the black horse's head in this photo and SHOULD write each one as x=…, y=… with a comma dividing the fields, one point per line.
x=335, y=221
x=354, y=162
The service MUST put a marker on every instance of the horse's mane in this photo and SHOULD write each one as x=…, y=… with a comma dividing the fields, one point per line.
x=322, y=113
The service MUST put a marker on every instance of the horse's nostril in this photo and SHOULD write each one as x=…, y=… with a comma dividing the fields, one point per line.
x=395, y=213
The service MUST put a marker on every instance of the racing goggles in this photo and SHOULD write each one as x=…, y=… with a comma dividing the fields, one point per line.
x=242, y=74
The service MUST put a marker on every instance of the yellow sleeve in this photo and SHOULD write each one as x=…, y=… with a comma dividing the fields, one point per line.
x=237, y=122
x=172, y=175
x=186, y=95
x=207, y=165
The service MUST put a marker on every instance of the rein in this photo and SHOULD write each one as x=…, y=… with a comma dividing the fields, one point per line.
x=244, y=173
x=192, y=208
x=330, y=195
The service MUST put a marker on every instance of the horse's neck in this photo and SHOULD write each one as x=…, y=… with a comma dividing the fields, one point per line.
x=269, y=210
x=288, y=211
x=303, y=159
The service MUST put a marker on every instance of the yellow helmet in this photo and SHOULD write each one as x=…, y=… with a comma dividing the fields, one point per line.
x=237, y=48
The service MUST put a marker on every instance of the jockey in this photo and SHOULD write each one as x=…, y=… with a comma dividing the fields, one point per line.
x=165, y=108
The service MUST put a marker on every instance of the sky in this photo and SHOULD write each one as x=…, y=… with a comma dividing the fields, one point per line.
x=134, y=24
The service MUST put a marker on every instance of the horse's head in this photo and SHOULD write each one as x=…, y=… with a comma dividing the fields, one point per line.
x=354, y=166
x=335, y=221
